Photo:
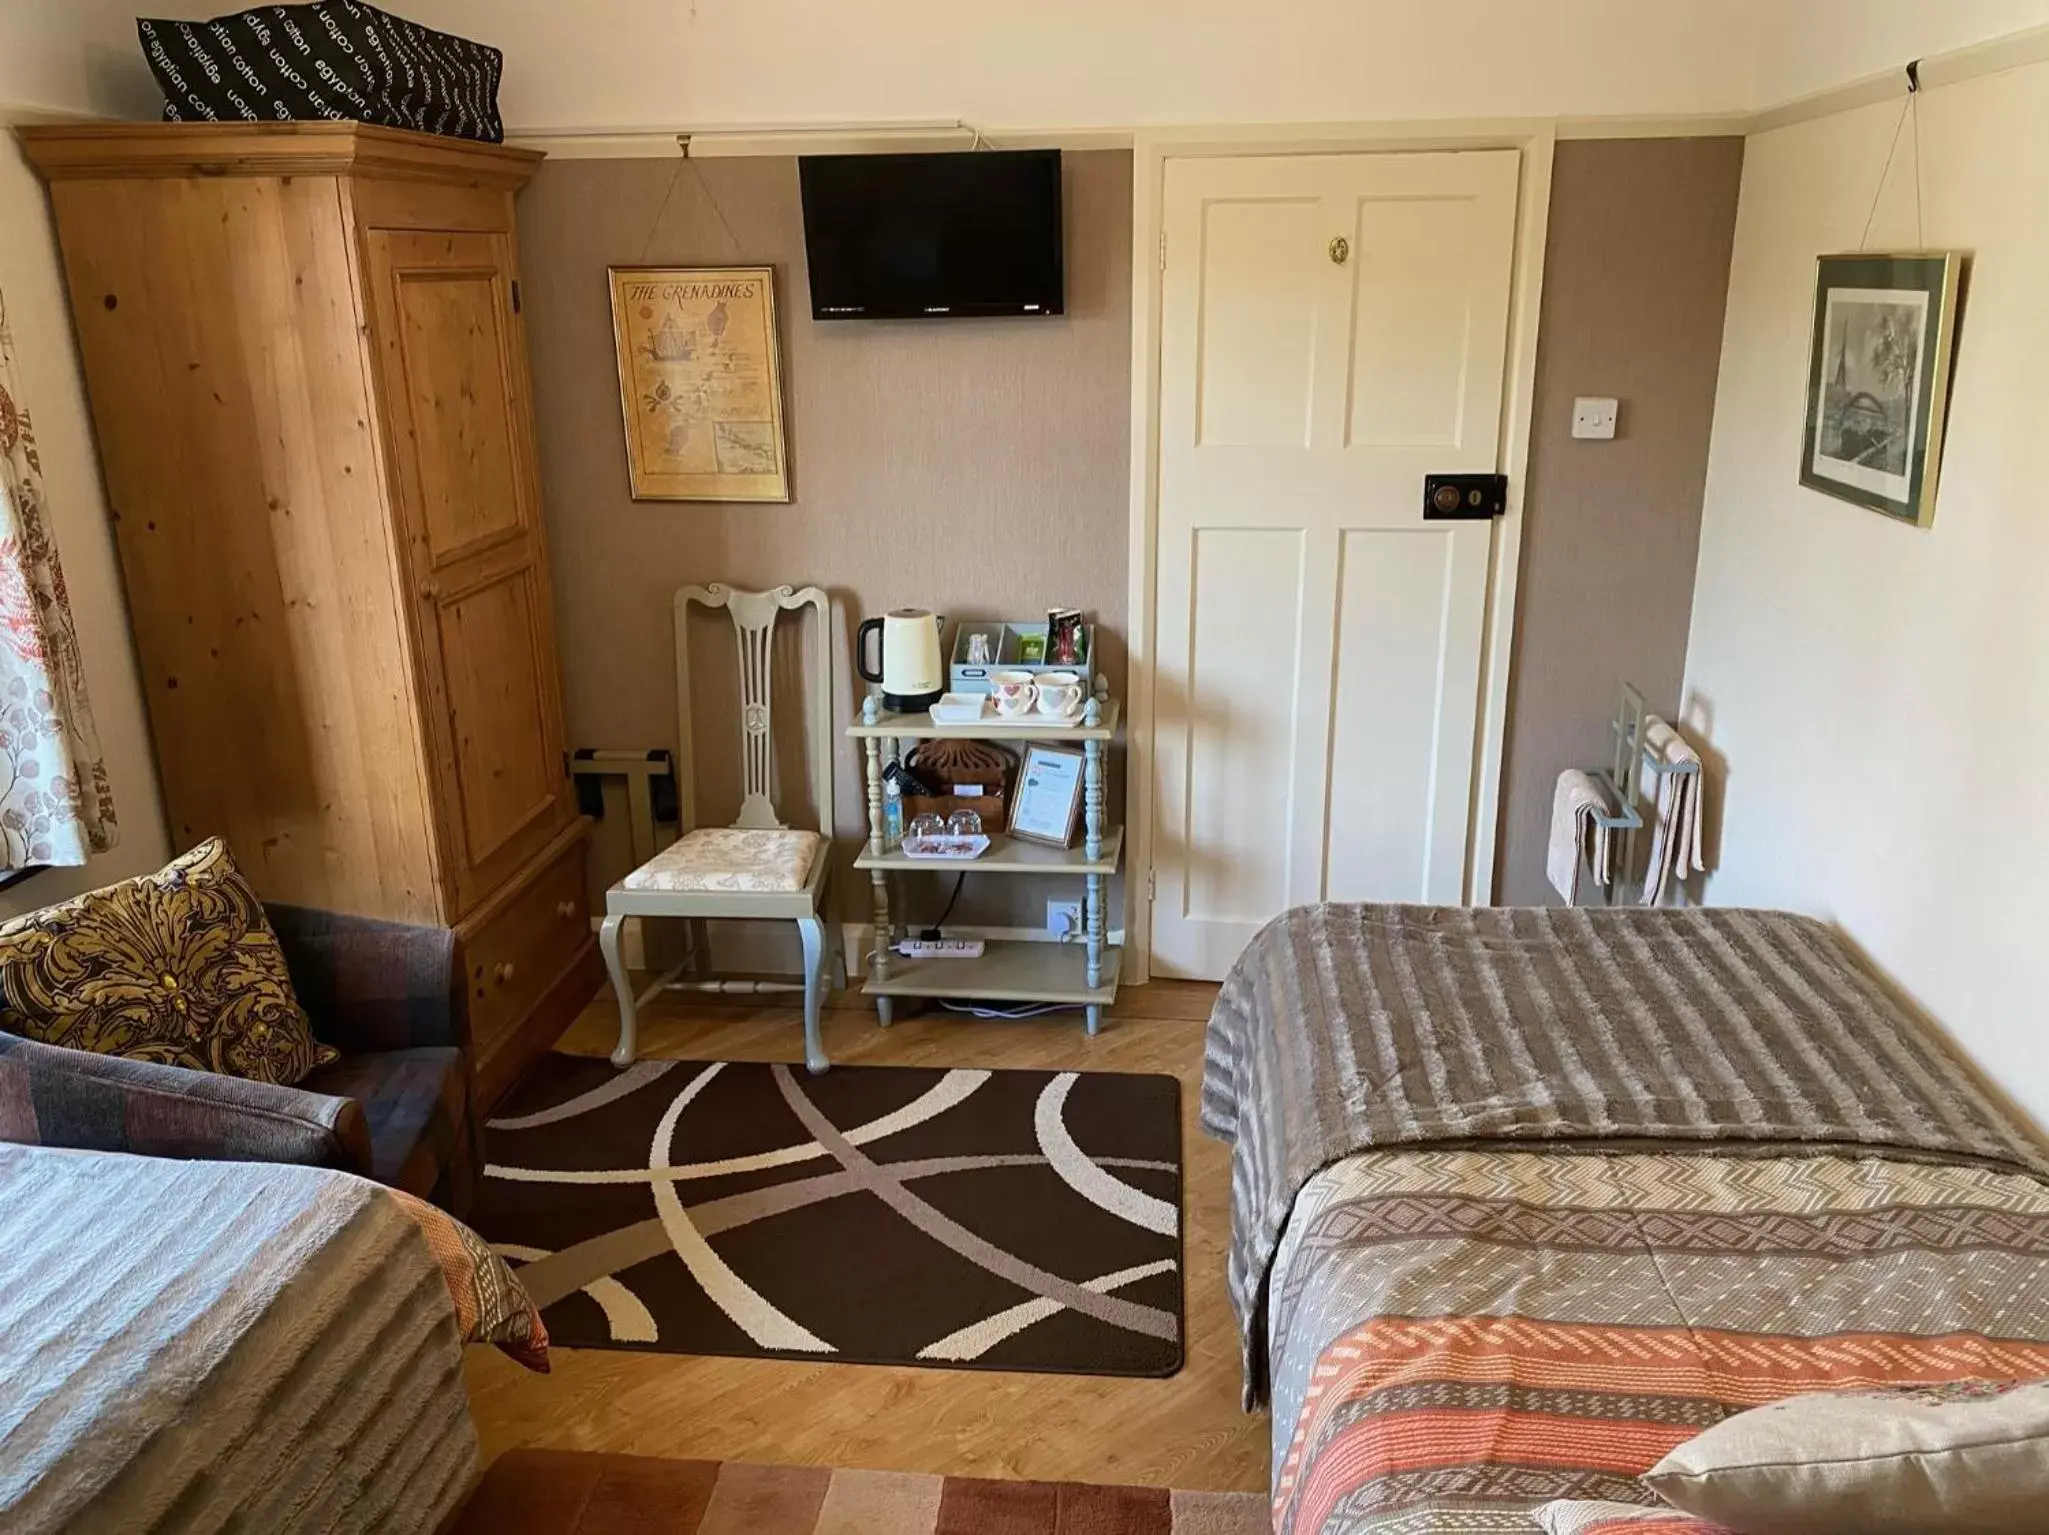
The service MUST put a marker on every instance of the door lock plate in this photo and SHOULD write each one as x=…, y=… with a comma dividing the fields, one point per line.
x=1464, y=497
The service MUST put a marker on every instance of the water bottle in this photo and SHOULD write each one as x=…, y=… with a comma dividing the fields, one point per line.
x=892, y=815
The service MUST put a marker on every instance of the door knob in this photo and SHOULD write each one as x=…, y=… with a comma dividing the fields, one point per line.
x=565, y=909
x=429, y=590
x=1464, y=497
x=505, y=973
x=1340, y=249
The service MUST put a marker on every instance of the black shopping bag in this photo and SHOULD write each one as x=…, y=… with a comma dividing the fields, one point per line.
x=335, y=60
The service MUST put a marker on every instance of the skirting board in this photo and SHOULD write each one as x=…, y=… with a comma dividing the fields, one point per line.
x=770, y=948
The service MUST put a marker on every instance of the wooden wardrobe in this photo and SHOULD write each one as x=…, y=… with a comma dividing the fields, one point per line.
x=308, y=376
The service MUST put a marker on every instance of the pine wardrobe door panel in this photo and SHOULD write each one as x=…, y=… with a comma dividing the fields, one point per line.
x=504, y=777
x=453, y=388
x=452, y=333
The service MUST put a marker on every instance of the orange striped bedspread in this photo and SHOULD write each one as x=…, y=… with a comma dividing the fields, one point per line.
x=1458, y=1337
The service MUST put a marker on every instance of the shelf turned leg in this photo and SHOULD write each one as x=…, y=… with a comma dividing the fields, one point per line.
x=1092, y=845
x=1095, y=1023
x=1092, y=926
x=1092, y=799
x=878, y=881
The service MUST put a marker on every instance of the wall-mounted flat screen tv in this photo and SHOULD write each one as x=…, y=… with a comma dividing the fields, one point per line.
x=933, y=236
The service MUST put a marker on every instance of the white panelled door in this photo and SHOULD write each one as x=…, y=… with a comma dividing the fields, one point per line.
x=1318, y=652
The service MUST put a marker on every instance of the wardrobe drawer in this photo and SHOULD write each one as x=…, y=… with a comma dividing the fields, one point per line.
x=520, y=948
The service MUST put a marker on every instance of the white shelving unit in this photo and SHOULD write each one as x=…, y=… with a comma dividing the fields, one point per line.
x=1076, y=975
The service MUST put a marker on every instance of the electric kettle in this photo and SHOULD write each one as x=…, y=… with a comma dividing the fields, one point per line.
x=911, y=672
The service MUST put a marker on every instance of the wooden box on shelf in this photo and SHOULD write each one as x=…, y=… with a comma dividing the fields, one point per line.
x=970, y=765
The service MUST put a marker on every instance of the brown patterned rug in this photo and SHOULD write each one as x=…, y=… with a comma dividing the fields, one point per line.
x=1007, y=1220
x=565, y=1492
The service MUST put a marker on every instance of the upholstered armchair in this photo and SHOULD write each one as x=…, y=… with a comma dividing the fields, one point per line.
x=396, y=1107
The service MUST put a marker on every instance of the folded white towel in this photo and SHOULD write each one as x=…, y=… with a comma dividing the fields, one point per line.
x=1676, y=850
x=1577, y=800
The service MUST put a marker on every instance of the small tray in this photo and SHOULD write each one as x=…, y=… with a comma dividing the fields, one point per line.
x=946, y=849
x=960, y=709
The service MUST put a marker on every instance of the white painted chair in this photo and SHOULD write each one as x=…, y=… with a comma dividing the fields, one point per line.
x=757, y=868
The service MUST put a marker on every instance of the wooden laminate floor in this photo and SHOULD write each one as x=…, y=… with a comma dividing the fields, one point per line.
x=1185, y=1431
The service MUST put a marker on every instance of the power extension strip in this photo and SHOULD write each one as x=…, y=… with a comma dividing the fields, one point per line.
x=941, y=948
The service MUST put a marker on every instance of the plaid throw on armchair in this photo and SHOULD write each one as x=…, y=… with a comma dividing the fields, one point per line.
x=396, y=1107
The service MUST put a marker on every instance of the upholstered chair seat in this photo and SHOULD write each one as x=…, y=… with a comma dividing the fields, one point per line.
x=762, y=862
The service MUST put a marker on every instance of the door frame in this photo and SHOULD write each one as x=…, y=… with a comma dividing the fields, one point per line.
x=1534, y=139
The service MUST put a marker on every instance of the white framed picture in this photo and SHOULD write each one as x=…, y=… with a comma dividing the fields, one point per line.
x=1048, y=798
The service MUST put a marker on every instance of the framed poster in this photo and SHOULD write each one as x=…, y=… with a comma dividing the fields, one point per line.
x=1878, y=380
x=1048, y=798
x=700, y=381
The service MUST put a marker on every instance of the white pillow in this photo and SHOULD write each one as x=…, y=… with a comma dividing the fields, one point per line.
x=1973, y=1456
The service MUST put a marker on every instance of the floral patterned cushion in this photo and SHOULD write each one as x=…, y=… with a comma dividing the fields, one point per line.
x=179, y=967
x=727, y=858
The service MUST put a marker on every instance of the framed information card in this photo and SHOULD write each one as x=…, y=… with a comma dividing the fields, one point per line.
x=700, y=381
x=1048, y=796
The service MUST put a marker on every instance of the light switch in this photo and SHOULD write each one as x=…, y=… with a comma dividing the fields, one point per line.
x=1592, y=418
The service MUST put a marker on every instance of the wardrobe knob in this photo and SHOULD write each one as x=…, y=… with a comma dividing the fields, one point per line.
x=565, y=909
x=505, y=973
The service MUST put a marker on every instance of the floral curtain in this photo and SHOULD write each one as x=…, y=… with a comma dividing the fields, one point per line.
x=55, y=807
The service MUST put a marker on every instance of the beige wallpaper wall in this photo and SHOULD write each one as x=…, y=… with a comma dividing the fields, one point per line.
x=1636, y=278
x=975, y=467
x=980, y=467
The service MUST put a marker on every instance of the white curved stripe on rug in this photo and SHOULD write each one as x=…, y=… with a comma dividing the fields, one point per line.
x=628, y=1320
x=1088, y=1179
x=949, y=1091
x=750, y=1311
x=631, y=1080
x=975, y=1340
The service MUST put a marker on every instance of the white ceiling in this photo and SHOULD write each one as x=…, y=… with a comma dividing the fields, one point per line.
x=1089, y=63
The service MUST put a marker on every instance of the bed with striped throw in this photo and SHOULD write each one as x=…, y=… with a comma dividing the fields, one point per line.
x=1522, y=1199
x=221, y=1345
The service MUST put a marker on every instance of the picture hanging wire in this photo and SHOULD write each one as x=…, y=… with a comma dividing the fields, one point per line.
x=683, y=160
x=1909, y=107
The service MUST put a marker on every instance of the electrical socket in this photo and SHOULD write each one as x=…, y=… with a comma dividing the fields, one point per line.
x=1063, y=918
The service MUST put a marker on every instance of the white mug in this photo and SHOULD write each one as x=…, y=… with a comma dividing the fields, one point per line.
x=1059, y=693
x=1013, y=693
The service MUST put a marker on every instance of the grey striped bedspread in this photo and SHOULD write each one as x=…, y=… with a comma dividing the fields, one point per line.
x=190, y=1346
x=1345, y=1028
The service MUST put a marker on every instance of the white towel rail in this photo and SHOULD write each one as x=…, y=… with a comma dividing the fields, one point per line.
x=1623, y=779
